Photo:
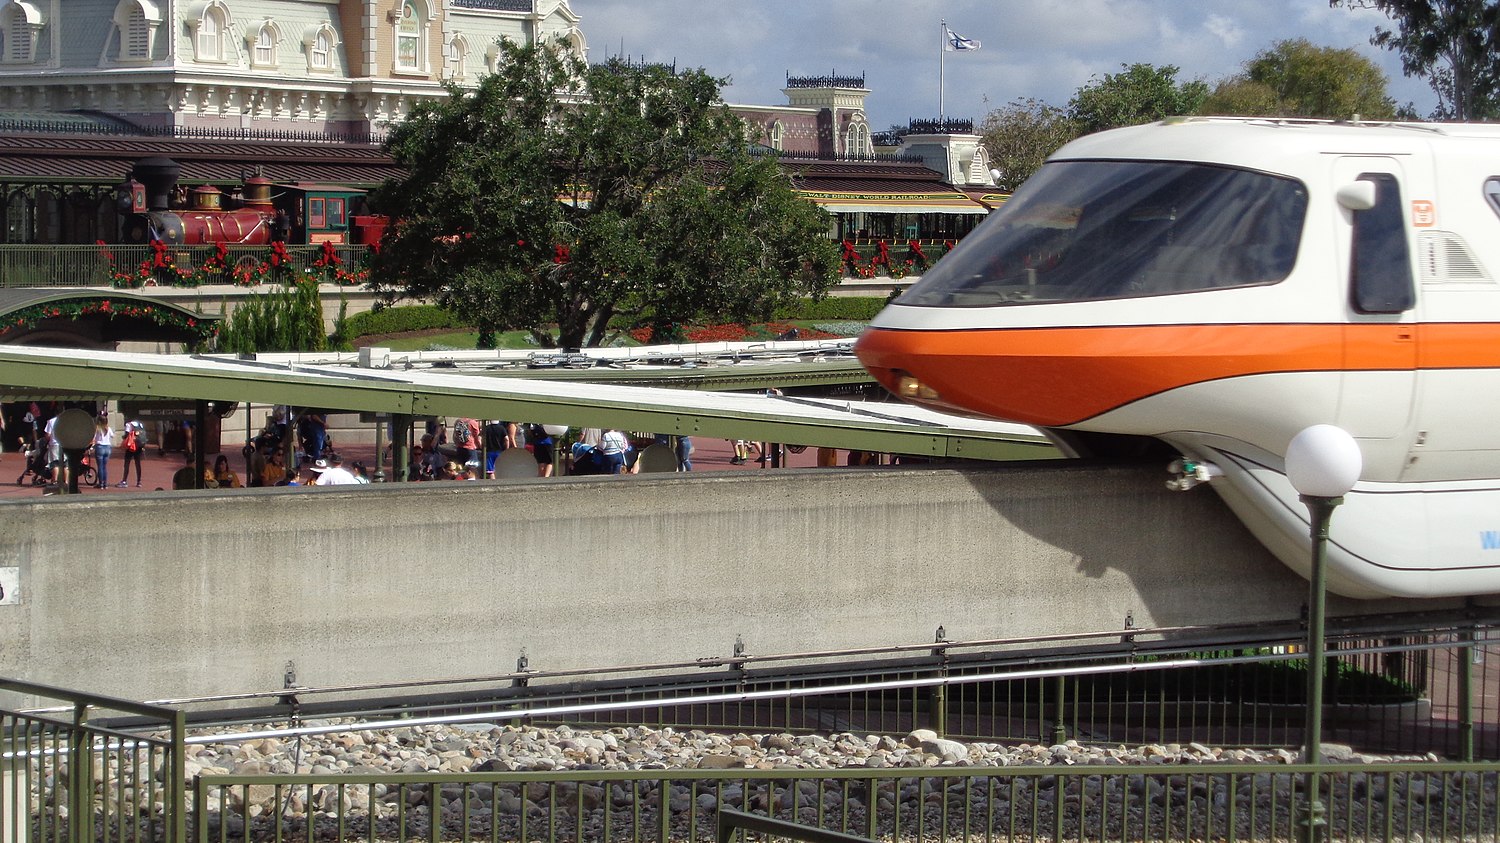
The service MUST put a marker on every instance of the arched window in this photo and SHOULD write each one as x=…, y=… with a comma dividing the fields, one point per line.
x=778, y=136
x=136, y=22
x=321, y=57
x=458, y=58
x=21, y=23
x=211, y=31
x=263, y=51
x=136, y=37
x=857, y=140
x=410, y=40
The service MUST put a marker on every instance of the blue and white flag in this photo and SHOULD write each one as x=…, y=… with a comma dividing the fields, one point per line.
x=955, y=43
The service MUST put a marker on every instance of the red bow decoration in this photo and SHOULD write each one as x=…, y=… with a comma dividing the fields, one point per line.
x=916, y=249
x=159, y=254
x=278, y=254
x=850, y=256
x=885, y=253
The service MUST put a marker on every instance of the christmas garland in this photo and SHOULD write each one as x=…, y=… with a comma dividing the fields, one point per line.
x=32, y=317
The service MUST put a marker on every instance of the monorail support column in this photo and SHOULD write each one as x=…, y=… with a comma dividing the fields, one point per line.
x=400, y=456
x=1465, y=656
x=200, y=417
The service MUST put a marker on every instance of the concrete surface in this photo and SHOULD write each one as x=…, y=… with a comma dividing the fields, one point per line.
x=191, y=593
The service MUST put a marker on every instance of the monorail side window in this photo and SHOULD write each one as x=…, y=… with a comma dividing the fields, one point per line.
x=1380, y=267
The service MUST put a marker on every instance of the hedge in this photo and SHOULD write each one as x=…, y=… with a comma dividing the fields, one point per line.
x=399, y=320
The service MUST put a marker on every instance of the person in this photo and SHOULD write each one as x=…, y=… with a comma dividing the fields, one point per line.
x=255, y=465
x=131, y=447
x=418, y=462
x=55, y=461
x=221, y=476
x=275, y=470
x=542, y=448
x=331, y=472
x=684, y=453
x=466, y=441
x=314, y=430
x=498, y=436
x=614, y=445
x=103, y=443
x=360, y=474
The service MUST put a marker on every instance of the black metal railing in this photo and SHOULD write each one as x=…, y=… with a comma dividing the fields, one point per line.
x=832, y=80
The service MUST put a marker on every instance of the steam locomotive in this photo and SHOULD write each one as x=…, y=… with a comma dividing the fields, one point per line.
x=258, y=213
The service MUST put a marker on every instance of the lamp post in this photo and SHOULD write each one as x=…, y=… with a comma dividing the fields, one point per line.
x=1323, y=463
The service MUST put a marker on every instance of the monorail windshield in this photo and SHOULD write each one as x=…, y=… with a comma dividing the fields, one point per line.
x=1090, y=230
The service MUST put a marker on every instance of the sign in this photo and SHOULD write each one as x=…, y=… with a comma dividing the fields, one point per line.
x=172, y=410
x=10, y=586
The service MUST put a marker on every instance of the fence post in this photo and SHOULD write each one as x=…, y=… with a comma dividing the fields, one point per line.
x=81, y=770
x=1060, y=728
x=175, y=791
x=1465, y=656
x=10, y=826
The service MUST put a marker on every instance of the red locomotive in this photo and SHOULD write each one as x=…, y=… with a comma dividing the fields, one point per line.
x=259, y=213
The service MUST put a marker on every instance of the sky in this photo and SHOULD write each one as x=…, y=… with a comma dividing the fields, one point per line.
x=1040, y=49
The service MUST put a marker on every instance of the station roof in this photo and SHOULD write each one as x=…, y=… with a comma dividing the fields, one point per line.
x=27, y=372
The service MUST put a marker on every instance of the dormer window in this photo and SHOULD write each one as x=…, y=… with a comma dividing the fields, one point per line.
x=263, y=49
x=778, y=136
x=211, y=40
x=136, y=23
x=320, y=57
x=20, y=23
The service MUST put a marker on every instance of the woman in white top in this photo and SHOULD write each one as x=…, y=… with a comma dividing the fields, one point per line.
x=103, y=439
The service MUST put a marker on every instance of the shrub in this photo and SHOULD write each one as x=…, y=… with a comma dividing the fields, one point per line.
x=834, y=309
x=400, y=320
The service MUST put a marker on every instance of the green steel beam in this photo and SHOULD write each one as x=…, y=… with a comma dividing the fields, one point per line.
x=71, y=372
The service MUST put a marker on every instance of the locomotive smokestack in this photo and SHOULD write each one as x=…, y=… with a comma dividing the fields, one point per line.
x=159, y=175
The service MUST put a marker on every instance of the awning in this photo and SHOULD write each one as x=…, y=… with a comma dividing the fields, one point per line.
x=942, y=202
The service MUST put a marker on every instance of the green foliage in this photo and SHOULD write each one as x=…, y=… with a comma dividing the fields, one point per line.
x=557, y=198
x=289, y=318
x=833, y=308
x=1453, y=44
x=1140, y=93
x=401, y=320
x=1021, y=135
x=1293, y=78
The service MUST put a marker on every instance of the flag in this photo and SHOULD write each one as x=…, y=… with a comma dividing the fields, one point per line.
x=955, y=43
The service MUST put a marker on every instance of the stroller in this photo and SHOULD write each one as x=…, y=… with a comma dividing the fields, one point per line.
x=35, y=465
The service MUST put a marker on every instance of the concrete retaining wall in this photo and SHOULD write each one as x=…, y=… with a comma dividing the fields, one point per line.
x=178, y=594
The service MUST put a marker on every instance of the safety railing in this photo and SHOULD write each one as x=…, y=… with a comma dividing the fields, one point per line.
x=939, y=804
x=68, y=779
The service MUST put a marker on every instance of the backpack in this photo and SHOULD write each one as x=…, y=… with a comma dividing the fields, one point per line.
x=131, y=442
x=461, y=433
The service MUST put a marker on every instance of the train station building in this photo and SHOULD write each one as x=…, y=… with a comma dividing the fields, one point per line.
x=303, y=88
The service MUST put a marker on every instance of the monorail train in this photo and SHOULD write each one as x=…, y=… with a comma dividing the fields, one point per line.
x=154, y=208
x=1220, y=284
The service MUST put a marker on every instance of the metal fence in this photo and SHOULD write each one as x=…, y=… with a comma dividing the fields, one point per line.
x=1206, y=803
x=68, y=779
x=113, y=770
x=129, y=266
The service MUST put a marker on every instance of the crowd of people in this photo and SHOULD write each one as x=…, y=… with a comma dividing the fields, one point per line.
x=295, y=449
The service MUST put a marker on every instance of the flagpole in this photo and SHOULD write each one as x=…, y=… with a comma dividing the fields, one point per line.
x=942, y=71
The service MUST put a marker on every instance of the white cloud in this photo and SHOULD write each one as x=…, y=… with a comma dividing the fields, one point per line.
x=1039, y=49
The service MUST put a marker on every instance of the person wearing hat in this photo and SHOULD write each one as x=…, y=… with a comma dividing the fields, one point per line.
x=331, y=472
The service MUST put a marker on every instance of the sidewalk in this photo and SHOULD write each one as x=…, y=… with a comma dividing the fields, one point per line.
x=708, y=455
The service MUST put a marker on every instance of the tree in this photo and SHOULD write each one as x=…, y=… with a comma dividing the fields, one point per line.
x=1293, y=78
x=1140, y=93
x=1021, y=135
x=564, y=199
x=1453, y=44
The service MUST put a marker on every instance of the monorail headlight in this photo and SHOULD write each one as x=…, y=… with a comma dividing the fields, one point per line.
x=910, y=388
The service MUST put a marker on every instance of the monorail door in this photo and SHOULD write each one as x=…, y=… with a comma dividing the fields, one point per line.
x=1374, y=257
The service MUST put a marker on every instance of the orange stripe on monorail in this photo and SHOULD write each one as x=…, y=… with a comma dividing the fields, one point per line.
x=1062, y=376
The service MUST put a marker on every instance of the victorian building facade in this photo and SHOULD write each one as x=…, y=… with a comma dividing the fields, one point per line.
x=336, y=66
